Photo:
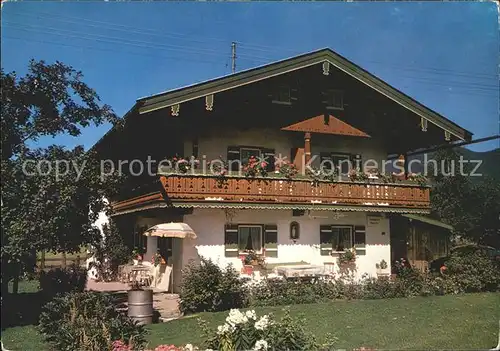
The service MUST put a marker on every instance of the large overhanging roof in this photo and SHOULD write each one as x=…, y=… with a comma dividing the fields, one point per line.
x=325, y=124
x=326, y=57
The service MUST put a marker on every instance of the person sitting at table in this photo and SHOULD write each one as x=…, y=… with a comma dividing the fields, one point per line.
x=157, y=261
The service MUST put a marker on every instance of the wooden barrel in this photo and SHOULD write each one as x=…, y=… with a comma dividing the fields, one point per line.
x=140, y=306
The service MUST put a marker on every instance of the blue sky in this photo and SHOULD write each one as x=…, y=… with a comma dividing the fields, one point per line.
x=444, y=54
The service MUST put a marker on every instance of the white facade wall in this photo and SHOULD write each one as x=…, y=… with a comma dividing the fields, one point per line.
x=209, y=227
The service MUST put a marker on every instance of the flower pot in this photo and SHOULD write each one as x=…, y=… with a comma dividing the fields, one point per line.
x=382, y=275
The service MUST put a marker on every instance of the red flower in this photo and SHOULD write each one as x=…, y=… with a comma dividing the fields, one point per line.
x=263, y=164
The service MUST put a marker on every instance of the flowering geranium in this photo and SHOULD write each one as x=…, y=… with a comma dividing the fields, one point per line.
x=183, y=164
x=355, y=175
x=287, y=169
x=418, y=178
x=157, y=259
x=255, y=167
x=120, y=345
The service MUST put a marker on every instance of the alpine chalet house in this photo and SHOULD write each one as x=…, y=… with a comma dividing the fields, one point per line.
x=297, y=149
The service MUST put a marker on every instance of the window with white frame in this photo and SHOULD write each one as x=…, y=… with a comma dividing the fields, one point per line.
x=335, y=238
x=334, y=99
x=262, y=238
x=250, y=238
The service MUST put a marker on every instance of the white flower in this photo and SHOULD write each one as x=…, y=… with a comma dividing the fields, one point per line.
x=236, y=317
x=262, y=323
x=251, y=315
x=188, y=347
x=222, y=329
x=260, y=345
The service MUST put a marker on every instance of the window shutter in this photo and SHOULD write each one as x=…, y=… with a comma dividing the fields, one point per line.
x=325, y=237
x=269, y=157
x=360, y=239
x=231, y=240
x=233, y=153
x=271, y=240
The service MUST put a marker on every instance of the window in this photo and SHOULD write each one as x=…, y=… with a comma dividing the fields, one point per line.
x=260, y=238
x=335, y=238
x=282, y=95
x=250, y=238
x=140, y=241
x=239, y=155
x=341, y=162
x=334, y=99
x=165, y=246
x=246, y=153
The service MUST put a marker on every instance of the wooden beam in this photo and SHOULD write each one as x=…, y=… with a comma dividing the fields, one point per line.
x=307, y=147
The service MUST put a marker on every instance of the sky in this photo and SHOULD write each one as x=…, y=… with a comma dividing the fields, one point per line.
x=444, y=54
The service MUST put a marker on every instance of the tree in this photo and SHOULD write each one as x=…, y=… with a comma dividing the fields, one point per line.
x=472, y=208
x=111, y=251
x=42, y=208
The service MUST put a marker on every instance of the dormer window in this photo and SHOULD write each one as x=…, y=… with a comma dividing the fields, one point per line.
x=334, y=99
x=282, y=95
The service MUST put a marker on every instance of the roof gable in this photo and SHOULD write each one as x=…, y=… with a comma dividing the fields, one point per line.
x=334, y=126
x=326, y=57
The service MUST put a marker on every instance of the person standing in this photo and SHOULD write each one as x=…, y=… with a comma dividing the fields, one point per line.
x=157, y=261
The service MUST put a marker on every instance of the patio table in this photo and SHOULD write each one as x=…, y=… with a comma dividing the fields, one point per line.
x=300, y=271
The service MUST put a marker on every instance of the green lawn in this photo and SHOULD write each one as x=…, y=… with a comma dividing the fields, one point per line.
x=440, y=322
x=26, y=286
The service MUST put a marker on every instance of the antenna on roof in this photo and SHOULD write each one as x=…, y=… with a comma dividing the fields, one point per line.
x=233, y=56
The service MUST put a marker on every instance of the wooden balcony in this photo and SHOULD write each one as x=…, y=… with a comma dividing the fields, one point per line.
x=231, y=189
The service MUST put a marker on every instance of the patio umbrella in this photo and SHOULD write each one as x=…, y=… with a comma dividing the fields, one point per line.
x=171, y=230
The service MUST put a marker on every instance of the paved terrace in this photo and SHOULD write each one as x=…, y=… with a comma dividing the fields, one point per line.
x=166, y=304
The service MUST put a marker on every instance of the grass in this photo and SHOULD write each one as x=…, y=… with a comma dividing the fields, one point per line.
x=26, y=286
x=440, y=322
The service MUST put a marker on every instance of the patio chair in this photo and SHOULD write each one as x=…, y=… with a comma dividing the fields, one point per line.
x=145, y=278
x=329, y=269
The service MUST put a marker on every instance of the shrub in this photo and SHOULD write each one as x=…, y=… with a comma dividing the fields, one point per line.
x=245, y=331
x=207, y=287
x=378, y=288
x=274, y=292
x=87, y=321
x=465, y=273
x=473, y=272
x=61, y=281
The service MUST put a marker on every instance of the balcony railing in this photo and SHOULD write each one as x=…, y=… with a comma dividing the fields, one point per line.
x=297, y=191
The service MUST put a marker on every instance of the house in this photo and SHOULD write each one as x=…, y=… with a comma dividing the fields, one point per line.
x=319, y=111
x=419, y=239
